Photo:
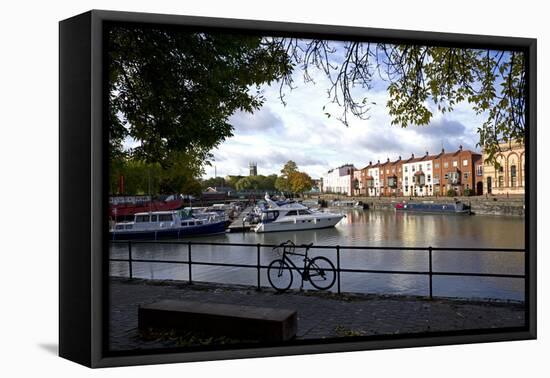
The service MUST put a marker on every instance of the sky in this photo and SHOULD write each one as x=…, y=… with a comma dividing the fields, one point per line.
x=300, y=131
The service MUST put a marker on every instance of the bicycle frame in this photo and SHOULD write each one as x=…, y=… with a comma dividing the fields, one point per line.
x=304, y=275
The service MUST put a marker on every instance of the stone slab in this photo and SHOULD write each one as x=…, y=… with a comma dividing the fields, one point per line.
x=220, y=319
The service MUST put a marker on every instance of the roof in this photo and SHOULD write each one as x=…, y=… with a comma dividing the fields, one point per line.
x=155, y=213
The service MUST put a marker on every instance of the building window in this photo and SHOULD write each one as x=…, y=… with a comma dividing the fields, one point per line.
x=436, y=165
x=428, y=166
x=455, y=163
x=501, y=181
x=406, y=169
x=412, y=168
x=479, y=170
x=446, y=176
x=513, y=176
x=466, y=175
x=429, y=178
x=446, y=164
x=465, y=163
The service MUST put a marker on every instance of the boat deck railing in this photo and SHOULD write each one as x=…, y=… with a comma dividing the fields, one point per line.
x=336, y=249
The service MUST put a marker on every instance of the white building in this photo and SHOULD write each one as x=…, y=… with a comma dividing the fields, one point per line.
x=372, y=179
x=339, y=180
x=418, y=176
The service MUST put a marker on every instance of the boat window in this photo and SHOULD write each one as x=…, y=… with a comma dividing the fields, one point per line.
x=184, y=223
x=128, y=227
x=199, y=223
x=191, y=224
x=292, y=212
x=154, y=218
x=303, y=212
x=165, y=217
x=142, y=218
x=119, y=227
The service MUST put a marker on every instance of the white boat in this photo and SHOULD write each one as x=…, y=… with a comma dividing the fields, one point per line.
x=292, y=216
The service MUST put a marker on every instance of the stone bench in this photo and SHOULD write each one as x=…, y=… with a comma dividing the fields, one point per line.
x=216, y=319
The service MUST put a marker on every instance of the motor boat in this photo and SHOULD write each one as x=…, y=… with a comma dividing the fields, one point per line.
x=168, y=225
x=292, y=216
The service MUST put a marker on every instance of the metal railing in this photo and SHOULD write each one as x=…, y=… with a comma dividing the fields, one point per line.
x=337, y=248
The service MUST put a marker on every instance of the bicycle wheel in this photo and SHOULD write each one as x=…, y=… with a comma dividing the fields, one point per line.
x=279, y=275
x=322, y=273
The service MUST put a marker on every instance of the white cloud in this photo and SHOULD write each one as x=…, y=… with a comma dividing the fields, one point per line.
x=301, y=131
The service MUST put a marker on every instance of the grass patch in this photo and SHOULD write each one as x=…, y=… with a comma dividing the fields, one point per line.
x=342, y=331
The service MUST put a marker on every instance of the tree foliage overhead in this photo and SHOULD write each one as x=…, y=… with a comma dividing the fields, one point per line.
x=492, y=81
x=173, y=91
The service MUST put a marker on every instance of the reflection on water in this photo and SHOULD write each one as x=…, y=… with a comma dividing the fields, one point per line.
x=364, y=228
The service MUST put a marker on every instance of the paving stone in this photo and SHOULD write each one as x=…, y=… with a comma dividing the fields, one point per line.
x=320, y=315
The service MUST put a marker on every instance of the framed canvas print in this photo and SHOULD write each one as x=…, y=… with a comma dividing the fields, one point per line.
x=234, y=188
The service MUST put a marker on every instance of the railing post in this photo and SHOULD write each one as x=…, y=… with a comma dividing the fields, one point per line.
x=430, y=260
x=338, y=267
x=258, y=263
x=130, y=271
x=189, y=262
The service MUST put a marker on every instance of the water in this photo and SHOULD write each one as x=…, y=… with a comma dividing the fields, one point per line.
x=364, y=228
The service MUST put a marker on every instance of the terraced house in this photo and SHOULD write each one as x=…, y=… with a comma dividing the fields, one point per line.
x=457, y=173
x=371, y=179
x=448, y=173
x=418, y=176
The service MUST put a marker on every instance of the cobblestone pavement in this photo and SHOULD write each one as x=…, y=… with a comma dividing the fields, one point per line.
x=320, y=315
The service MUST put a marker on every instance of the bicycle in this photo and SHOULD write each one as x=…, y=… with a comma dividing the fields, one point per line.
x=319, y=271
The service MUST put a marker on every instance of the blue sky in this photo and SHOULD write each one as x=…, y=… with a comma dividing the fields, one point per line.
x=300, y=131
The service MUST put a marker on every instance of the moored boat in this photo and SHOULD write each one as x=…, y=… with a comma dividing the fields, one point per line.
x=434, y=208
x=293, y=216
x=167, y=225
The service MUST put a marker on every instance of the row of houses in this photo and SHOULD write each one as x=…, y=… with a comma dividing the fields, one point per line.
x=462, y=172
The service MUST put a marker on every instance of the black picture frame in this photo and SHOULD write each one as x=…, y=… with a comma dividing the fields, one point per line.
x=83, y=195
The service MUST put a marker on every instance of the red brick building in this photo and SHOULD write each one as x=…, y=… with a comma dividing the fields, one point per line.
x=456, y=171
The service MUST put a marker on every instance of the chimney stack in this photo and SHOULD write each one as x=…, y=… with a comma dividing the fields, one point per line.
x=460, y=147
